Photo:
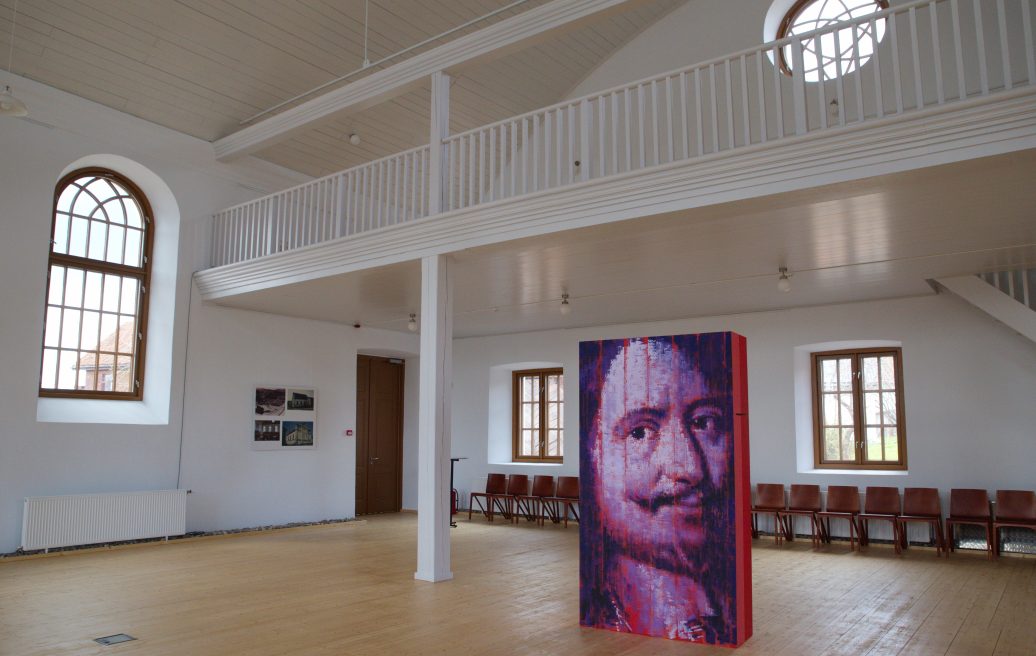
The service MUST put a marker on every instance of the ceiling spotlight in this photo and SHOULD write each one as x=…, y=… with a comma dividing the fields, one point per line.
x=354, y=139
x=784, y=281
x=11, y=106
x=566, y=307
x=412, y=324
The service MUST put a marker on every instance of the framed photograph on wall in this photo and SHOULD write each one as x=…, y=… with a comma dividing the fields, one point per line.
x=284, y=418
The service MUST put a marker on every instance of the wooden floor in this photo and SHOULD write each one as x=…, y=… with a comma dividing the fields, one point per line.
x=349, y=589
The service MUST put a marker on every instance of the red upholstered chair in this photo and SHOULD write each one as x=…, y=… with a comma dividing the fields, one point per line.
x=496, y=486
x=804, y=501
x=881, y=503
x=843, y=502
x=769, y=500
x=921, y=504
x=1014, y=508
x=565, y=501
x=532, y=505
x=970, y=506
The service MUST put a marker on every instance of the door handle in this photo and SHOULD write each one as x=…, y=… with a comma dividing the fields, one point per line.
x=373, y=459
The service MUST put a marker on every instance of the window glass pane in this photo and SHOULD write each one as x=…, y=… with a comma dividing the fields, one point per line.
x=891, y=444
x=846, y=405
x=48, y=379
x=70, y=329
x=531, y=440
x=74, y=287
x=85, y=204
x=831, y=410
x=829, y=375
x=553, y=443
x=888, y=372
x=92, y=297
x=124, y=374
x=57, y=285
x=845, y=374
x=98, y=231
x=831, y=442
x=535, y=411
x=60, y=233
x=67, y=370
x=109, y=323
x=869, y=366
x=133, y=218
x=848, y=444
x=112, y=287
x=52, y=329
x=872, y=405
x=134, y=240
x=129, y=296
x=116, y=237
x=888, y=407
x=552, y=388
x=87, y=372
x=126, y=336
x=64, y=203
x=114, y=208
x=91, y=326
x=873, y=443
x=77, y=240
x=552, y=415
x=526, y=415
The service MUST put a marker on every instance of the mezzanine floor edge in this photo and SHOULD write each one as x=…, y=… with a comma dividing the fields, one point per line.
x=349, y=589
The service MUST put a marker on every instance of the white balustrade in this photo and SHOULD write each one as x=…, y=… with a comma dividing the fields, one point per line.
x=931, y=53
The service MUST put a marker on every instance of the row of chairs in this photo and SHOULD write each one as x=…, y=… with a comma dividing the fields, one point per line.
x=513, y=498
x=1014, y=508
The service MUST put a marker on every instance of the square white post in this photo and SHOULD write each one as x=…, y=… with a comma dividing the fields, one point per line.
x=438, y=164
x=433, y=459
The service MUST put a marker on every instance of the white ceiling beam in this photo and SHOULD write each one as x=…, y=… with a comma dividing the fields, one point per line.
x=496, y=40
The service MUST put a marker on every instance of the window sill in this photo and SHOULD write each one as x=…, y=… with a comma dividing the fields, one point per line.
x=513, y=463
x=858, y=472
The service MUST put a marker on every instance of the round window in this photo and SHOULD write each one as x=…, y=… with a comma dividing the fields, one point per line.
x=835, y=52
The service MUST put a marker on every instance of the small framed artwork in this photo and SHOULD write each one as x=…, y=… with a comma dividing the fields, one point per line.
x=284, y=418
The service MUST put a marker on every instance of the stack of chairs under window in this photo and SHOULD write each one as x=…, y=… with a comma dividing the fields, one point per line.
x=512, y=498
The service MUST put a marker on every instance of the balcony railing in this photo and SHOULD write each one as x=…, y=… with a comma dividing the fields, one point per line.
x=932, y=53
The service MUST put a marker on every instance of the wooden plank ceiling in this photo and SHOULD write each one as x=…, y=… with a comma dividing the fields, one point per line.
x=203, y=66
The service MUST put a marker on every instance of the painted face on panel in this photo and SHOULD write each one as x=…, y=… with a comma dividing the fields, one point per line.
x=662, y=457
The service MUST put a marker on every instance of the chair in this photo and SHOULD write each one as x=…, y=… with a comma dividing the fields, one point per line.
x=517, y=486
x=843, y=502
x=970, y=506
x=496, y=486
x=921, y=504
x=882, y=503
x=565, y=501
x=1014, y=508
x=532, y=506
x=769, y=500
x=804, y=501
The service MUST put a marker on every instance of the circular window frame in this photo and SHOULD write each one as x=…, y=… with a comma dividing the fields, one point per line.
x=789, y=19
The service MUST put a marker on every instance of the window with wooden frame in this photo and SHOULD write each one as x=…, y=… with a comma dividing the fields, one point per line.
x=97, y=284
x=834, y=53
x=858, y=409
x=538, y=411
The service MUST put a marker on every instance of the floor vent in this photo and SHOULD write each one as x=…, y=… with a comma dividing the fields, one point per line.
x=114, y=639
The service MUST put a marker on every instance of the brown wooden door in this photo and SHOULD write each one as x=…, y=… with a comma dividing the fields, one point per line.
x=379, y=435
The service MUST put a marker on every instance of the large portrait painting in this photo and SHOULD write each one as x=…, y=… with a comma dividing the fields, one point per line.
x=664, y=536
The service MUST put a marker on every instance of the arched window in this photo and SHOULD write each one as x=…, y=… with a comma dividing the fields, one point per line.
x=100, y=263
x=827, y=56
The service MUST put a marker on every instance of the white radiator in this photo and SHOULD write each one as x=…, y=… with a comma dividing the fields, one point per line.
x=63, y=521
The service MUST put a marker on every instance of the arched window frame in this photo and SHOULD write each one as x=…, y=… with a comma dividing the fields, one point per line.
x=141, y=274
x=789, y=19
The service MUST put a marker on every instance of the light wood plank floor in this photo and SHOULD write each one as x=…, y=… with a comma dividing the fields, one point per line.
x=349, y=589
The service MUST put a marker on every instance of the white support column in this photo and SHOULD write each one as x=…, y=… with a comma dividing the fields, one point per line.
x=440, y=130
x=433, y=460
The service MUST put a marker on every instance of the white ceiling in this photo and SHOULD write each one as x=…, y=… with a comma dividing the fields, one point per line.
x=877, y=238
x=203, y=66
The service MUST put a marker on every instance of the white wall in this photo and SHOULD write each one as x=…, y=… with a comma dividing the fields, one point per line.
x=968, y=390
x=232, y=351
x=46, y=458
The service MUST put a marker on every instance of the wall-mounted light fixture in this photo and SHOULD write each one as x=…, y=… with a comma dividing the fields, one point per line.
x=566, y=307
x=412, y=324
x=784, y=281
